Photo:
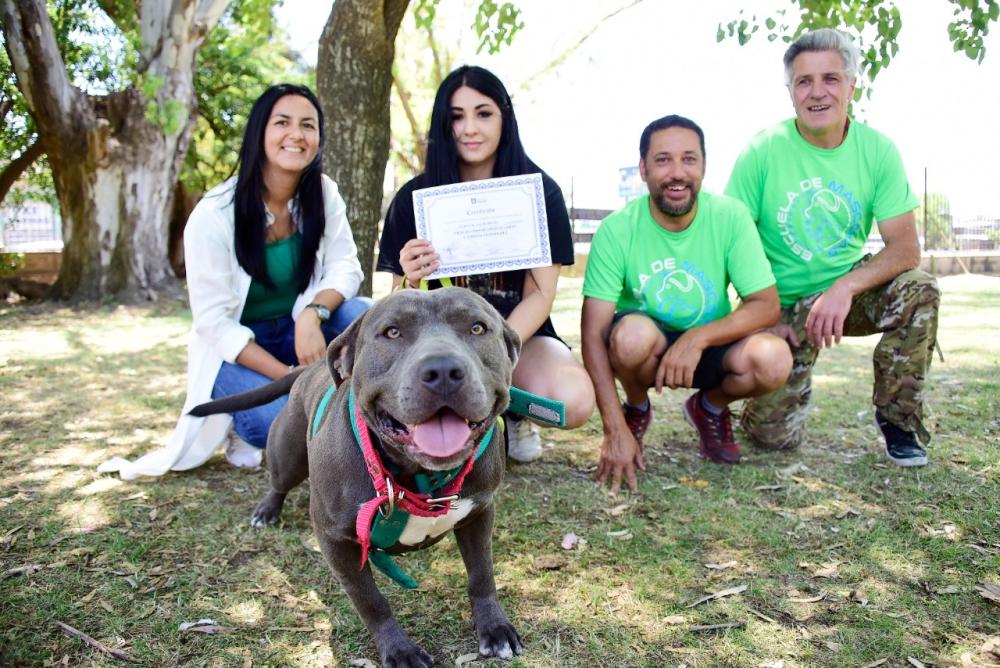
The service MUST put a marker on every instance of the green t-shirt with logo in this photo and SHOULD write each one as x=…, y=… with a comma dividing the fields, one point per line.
x=813, y=206
x=678, y=278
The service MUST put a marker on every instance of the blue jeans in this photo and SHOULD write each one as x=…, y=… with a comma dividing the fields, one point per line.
x=278, y=338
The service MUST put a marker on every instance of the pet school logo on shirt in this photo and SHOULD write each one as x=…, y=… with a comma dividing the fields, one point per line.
x=682, y=298
x=819, y=219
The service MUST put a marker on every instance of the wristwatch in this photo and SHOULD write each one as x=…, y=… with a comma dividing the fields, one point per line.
x=321, y=311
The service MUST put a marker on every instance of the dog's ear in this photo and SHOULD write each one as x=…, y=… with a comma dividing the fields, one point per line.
x=342, y=350
x=513, y=342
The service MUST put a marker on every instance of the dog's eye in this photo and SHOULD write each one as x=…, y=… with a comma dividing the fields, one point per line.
x=391, y=332
x=478, y=328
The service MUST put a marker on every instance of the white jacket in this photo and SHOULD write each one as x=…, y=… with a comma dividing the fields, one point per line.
x=217, y=289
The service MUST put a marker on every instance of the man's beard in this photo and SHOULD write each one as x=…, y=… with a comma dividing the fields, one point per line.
x=675, y=210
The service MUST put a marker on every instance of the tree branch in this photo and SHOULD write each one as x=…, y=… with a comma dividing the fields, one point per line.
x=16, y=167
x=122, y=14
x=418, y=138
x=38, y=64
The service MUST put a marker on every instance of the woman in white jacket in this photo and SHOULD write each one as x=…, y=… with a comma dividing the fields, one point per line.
x=272, y=274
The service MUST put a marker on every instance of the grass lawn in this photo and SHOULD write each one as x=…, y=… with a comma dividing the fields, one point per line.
x=828, y=556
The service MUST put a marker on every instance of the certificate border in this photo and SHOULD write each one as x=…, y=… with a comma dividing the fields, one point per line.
x=541, y=221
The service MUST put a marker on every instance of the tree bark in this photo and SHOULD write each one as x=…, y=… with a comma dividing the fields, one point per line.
x=114, y=168
x=353, y=80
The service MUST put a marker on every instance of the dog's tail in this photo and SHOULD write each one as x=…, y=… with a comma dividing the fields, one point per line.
x=264, y=394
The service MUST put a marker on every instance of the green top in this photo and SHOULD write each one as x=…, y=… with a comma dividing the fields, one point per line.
x=678, y=278
x=282, y=259
x=814, y=206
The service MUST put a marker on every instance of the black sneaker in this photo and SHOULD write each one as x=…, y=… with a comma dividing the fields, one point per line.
x=901, y=447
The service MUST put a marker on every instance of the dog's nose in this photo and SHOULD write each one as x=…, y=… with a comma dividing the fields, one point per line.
x=442, y=375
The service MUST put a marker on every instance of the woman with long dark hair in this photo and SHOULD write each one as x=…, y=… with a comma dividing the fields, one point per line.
x=473, y=135
x=272, y=274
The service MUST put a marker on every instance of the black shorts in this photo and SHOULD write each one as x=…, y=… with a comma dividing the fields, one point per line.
x=709, y=372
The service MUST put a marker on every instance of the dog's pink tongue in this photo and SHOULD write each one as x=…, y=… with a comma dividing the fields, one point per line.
x=441, y=436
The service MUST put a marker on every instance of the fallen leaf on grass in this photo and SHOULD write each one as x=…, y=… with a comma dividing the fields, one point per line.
x=858, y=596
x=948, y=531
x=464, y=659
x=116, y=653
x=107, y=606
x=674, y=620
x=990, y=591
x=991, y=646
x=811, y=599
x=720, y=567
x=21, y=570
x=880, y=662
x=915, y=663
x=789, y=471
x=850, y=511
x=940, y=591
x=618, y=510
x=716, y=627
x=719, y=594
x=569, y=541
x=622, y=534
x=201, y=626
x=548, y=562
x=830, y=569
x=697, y=483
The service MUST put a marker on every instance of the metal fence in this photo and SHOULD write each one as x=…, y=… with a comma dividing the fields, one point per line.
x=32, y=226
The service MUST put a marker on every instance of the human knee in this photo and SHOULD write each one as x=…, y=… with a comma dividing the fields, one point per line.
x=630, y=345
x=771, y=361
x=917, y=293
x=581, y=402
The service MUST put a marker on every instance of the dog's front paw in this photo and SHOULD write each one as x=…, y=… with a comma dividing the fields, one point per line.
x=406, y=655
x=267, y=511
x=499, y=639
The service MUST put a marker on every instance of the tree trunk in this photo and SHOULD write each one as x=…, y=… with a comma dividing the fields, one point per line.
x=353, y=80
x=114, y=166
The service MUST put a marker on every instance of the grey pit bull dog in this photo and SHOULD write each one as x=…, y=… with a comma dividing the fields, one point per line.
x=430, y=373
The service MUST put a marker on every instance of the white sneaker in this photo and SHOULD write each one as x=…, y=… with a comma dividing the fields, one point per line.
x=524, y=443
x=241, y=454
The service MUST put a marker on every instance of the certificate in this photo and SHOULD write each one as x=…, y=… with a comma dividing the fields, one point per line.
x=487, y=226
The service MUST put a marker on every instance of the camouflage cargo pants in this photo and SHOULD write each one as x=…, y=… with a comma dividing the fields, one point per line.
x=905, y=310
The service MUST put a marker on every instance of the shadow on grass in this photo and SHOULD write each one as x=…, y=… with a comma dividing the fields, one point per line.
x=846, y=560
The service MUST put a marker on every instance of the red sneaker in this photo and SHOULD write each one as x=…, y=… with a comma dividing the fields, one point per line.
x=715, y=432
x=638, y=421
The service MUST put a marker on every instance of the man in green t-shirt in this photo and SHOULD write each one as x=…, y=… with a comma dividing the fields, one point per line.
x=814, y=184
x=656, y=307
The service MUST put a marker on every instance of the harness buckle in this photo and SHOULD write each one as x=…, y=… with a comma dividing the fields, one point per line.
x=391, y=500
x=440, y=501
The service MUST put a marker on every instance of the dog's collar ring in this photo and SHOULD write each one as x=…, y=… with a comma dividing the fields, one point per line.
x=390, y=494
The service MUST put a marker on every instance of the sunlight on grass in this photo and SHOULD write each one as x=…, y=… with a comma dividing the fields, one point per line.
x=160, y=552
x=317, y=654
x=88, y=513
x=900, y=565
x=247, y=613
x=32, y=344
x=101, y=486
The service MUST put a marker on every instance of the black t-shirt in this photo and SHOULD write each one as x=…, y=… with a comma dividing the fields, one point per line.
x=501, y=289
